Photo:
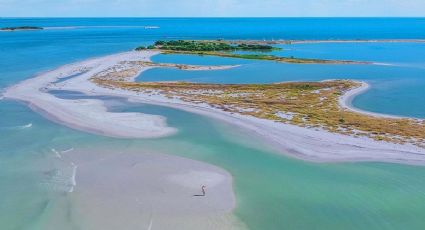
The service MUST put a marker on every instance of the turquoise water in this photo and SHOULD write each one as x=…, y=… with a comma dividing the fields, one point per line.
x=273, y=191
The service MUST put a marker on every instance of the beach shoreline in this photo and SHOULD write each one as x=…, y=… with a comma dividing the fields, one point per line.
x=85, y=114
x=320, y=146
x=316, y=145
x=345, y=101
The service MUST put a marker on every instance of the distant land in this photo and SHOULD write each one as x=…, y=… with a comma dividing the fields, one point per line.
x=18, y=28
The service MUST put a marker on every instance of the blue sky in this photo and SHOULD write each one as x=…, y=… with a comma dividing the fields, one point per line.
x=211, y=8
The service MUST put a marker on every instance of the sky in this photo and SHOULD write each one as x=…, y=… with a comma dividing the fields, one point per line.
x=212, y=8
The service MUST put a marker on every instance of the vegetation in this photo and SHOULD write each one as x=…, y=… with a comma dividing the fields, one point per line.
x=183, y=45
x=140, y=48
x=223, y=49
x=306, y=104
x=21, y=28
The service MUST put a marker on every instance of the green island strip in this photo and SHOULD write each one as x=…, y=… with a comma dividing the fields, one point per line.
x=21, y=28
x=204, y=46
x=222, y=48
x=305, y=104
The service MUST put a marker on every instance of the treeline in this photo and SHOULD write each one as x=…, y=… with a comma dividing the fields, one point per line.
x=22, y=28
x=182, y=45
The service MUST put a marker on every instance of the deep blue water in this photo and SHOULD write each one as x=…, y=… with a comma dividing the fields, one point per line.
x=244, y=28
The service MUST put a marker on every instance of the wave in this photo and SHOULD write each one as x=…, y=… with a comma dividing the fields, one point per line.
x=68, y=150
x=58, y=155
x=29, y=125
x=20, y=127
x=64, y=177
x=73, y=175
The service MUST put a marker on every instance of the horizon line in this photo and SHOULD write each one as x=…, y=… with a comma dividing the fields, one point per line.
x=172, y=17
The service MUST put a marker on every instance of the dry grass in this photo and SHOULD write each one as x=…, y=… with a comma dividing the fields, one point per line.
x=306, y=104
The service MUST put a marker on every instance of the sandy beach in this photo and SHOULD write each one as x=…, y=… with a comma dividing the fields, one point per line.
x=304, y=143
x=86, y=114
x=345, y=101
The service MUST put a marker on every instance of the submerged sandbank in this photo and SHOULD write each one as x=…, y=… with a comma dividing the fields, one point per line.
x=137, y=189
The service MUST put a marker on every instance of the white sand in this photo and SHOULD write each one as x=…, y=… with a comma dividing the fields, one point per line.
x=133, y=189
x=304, y=143
x=89, y=114
x=345, y=101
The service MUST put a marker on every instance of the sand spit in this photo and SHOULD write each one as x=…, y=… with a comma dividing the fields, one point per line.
x=87, y=114
x=304, y=143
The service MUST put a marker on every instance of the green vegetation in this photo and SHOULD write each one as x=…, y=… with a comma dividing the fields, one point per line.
x=140, y=48
x=224, y=49
x=21, y=28
x=182, y=45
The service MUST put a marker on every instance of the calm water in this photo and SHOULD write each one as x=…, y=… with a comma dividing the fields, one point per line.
x=273, y=192
x=399, y=78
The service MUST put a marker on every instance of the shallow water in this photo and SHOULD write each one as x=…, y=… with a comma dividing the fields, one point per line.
x=273, y=191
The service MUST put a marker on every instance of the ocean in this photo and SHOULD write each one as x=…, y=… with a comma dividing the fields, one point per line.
x=37, y=189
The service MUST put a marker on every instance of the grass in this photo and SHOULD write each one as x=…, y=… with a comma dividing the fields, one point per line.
x=306, y=104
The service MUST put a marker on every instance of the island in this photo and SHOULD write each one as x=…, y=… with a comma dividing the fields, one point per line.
x=223, y=48
x=312, y=121
x=19, y=28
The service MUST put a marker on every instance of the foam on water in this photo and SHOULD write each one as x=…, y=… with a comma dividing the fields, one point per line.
x=62, y=178
x=73, y=180
x=29, y=125
x=56, y=153
x=68, y=150
x=19, y=127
